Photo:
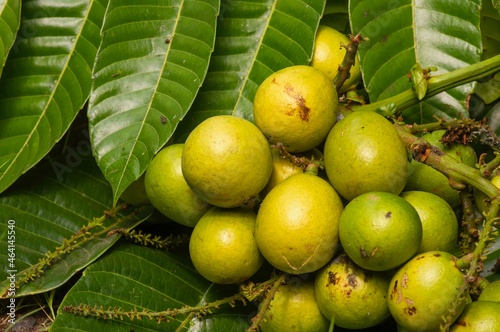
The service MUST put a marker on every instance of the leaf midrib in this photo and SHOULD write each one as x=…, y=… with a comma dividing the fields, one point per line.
x=51, y=96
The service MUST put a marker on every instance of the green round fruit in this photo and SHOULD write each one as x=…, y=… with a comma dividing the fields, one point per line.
x=439, y=222
x=424, y=290
x=168, y=191
x=481, y=199
x=296, y=106
x=222, y=246
x=328, y=54
x=283, y=167
x=294, y=308
x=491, y=292
x=356, y=298
x=227, y=161
x=297, y=224
x=480, y=316
x=380, y=231
x=364, y=153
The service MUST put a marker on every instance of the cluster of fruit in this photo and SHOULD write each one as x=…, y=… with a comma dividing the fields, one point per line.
x=370, y=239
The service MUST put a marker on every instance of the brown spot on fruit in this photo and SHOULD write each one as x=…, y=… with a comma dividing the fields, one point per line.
x=410, y=311
x=437, y=255
x=408, y=301
x=301, y=108
x=351, y=280
x=394, y=289
x=404, y=280
x=332, y=278
x=388, y=214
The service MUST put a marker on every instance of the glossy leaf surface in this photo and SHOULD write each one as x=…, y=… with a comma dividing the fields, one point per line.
x=441, y=33
x=46, y=79
x=48, y=206
x=254, y=39
x=132, y=276
x=10, y=17
x=151, y=62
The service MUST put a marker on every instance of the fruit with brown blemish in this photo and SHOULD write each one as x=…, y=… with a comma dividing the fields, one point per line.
x=297, y=224
x=427, y=288
x=479, y=316
x=380, y=231
x=296, y=106
x=353, y=297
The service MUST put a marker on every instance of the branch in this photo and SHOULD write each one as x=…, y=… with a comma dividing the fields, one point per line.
x=344, y=69
x=438, y=84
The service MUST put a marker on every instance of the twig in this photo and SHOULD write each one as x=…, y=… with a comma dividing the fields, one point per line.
x=344, y=69
x=150, y=240
x=264, y=306
x=439, y=83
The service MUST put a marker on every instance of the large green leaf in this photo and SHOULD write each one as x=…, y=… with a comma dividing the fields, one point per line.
x=152, y=60
x=253, y=41
x=131, y=276
x=46, y=79
x=490, y=23
x=441, y=33
x=10, y=18
x=46, y=207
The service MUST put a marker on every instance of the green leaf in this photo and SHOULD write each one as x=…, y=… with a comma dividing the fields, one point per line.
x=253, y=41
x=46, y=79
x=131, y=276
x=150, y=65
x=47, y=206
x=490, y=22
x=441, y=33
x=10, y=18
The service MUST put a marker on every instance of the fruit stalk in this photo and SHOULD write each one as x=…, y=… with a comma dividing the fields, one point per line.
x=348, y=61
x=438, y=84
x=424, y=152
x=266, y=302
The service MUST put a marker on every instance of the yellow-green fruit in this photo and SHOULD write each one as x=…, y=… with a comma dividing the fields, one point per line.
x=439, y=222
x=297, y=224
x=294, y=308
x=283, y=167
x=354, y=297
x=380, y=231
x=226, y=161
x=424, y=290
x=135, y=193
x=423, y=177
x=328, y=54
x=364, y=153
x=481, y=199
x=491, y=292
x=168, y=191
x=480, y=316
x=222, y=246
x=296, y=106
